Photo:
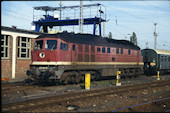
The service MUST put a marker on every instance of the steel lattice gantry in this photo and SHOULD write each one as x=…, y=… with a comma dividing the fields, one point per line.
x=50, y=21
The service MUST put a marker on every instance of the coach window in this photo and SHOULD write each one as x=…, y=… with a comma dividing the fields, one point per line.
x=121, y=51
x=162, y=58
x=63, y=46
x=24, y=47
x=98, y=49
x=4, y=46
x=73, y=47
x=103, y=50
x=129, y=52
x=117, y=50
x=165, y=58
x=108, y=50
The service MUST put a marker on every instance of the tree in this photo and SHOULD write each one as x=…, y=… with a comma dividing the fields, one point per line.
x=110, y=35
x=133, y=38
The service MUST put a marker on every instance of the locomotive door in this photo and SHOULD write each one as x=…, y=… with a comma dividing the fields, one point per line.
x=73, y=54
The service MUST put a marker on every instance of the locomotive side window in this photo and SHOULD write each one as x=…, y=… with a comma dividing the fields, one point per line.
x=103, y=50
x=63, y=46
x=98, y=49
x=129, y=52
x=117, y=50
x=38, y=44
x=51, y=44
x=24, y=47
x=121, y=51
x=4, y=46
x=113, y=59
x=73, y=47
x=108, y=50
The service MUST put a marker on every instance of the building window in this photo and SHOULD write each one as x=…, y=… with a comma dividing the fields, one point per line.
x=63, y=46
x=168, y=59
x=103, y=50
x=117, y=50
x=4, y=46
x=129, y=52
x=121, y=50
x=24, y=47
x=108, y=50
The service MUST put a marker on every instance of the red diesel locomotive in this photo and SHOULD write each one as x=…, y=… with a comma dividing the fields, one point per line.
x=66, y=57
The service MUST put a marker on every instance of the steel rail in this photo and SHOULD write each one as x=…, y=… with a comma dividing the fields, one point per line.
x=49, y=101
x=141, y=104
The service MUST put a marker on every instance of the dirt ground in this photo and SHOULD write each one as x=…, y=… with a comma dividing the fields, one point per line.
x=14, y=93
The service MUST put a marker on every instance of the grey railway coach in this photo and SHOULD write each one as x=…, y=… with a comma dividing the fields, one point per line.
x=155, y=60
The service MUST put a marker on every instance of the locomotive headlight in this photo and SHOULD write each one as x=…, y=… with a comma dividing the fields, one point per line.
x=42, y=55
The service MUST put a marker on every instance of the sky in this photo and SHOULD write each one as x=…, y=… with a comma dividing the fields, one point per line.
x=123, y=18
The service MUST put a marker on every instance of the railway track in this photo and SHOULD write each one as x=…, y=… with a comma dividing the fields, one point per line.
x=136, y=108
x=49, y=101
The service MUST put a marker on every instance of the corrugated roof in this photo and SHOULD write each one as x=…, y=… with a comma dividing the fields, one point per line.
x=91, y=40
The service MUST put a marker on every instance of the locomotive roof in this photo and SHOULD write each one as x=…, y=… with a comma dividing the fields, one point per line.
x=91, y=40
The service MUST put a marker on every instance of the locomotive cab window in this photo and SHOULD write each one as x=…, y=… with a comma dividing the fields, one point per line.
x=38, y=44
x=51, y=44
x=63, y=46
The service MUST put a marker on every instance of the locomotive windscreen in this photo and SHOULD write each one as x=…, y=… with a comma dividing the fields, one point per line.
x=38, y=44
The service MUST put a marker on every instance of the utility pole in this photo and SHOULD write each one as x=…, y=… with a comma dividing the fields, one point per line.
x=81, y=17
x=60, y=13
x=155, y=36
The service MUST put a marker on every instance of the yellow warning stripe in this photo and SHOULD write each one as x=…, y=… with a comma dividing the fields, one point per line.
x=87, y=63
